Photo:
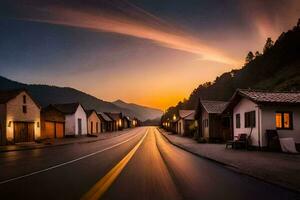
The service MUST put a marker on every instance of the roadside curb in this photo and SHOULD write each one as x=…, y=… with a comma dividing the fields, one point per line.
x=55, y=145
x=230, y=167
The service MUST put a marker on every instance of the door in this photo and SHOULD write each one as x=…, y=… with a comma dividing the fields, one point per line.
x=97, y=127
x=91, y=127
x=79, y=126
x=23, y=132
x=49, y=130
x=59, y=128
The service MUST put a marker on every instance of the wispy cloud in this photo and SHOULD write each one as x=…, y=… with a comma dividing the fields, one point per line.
x=137, y=23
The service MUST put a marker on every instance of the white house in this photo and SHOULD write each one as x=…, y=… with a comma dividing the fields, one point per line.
x=254, y=112
x=185, y=119
x=19, y=117
x=75, y=118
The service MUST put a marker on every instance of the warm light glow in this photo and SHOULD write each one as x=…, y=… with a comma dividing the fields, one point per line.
x=278, y=120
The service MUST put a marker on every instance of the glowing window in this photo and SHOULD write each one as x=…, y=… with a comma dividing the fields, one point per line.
x=284, y=120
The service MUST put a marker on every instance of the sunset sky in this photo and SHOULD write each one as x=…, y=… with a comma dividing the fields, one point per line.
x=150, y=52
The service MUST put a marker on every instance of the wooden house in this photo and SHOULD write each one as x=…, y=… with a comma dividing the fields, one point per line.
x=75, y=118
x=117, y=120
x=106, y=122
x=19, y=117
x=93, y=122
x=52, y=123
x=254, y=112
x=212, y=125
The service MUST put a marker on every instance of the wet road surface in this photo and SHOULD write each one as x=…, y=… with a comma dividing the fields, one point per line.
x=140, y=164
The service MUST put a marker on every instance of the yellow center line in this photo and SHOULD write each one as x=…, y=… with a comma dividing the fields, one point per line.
x=104, y=183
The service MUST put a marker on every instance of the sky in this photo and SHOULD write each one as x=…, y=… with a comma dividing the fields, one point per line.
x=149, y=52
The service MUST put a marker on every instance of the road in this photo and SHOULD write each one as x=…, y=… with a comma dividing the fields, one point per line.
x=140, y=164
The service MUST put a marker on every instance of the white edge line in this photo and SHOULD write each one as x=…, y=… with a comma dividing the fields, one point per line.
x=69, y=162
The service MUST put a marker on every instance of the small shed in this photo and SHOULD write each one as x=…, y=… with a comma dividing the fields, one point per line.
x=93, y=122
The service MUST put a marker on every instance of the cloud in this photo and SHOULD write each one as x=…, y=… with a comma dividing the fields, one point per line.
x=127, y=20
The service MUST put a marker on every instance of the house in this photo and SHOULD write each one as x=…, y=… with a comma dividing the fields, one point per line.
x=117, y=120
x=75, y=118
x=256, y=111
x=186, y=119
x=52, y=123
x=106, y=122
x=93, y=122
x=19, y=117
x=127, y=122
x=212, y=125
x=135, y=122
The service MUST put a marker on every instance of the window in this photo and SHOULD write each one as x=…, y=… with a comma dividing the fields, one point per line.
x=24, y=109
x=250, y=119
x=24, y=99
x=238, y=120
x=284, y=120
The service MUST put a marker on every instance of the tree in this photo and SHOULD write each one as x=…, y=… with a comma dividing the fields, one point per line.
x=257, y=54
x=269, y=44
x=298, y=24
x=249, y=57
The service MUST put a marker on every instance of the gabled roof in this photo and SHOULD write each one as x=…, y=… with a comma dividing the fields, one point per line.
x=271, y=97
x=127, y=118
x=187, y=114
x=214, y=107
x=7, y=95
x=264, y=97
x=114, y=116
x=67, y=108
x=90, y=112
x=104, y=117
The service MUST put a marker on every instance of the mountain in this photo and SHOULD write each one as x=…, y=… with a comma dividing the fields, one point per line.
x=140, y=111
x=46, y=95
x=278, y=68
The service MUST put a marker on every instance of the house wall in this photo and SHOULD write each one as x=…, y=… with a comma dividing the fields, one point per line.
x=268, y=122
x=95, y=119
x=80, y=114
x=205, y=130
x=243, y=106
x=14, y=112
x=70, y=125
x=2, y=124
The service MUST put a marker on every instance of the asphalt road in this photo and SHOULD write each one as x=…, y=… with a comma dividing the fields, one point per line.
x=140, y=164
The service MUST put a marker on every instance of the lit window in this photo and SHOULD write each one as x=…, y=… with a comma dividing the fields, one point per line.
x=278, y=120
x=284, y=120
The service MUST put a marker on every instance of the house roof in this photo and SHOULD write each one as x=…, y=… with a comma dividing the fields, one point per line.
x=67, y=108
x=114, y=116
x=187, y=114
x=104, y=116
x=271, y=97
x=264, y=97
x=214, y=107
x=7, y=95
x=90, y=112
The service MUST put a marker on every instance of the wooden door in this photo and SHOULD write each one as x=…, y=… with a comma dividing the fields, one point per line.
x=49, y=130
x=92, y=127
x=59, y=130
x=23, y=132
